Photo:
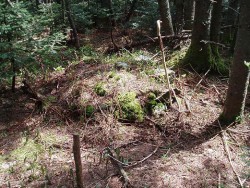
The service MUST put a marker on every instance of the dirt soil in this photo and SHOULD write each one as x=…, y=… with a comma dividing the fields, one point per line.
x=182, y=147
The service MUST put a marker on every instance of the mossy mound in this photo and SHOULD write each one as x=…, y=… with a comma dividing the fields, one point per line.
x=130, y=107
x=204, y=60
x=100, y=89
x=154, y=107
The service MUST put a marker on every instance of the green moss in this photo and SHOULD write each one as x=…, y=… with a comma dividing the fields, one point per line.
x=100, y=89
x=152, y=106
x=151, y=96
x=112, y=74
x=130, y=107
x=203, y=60
x=89, y=110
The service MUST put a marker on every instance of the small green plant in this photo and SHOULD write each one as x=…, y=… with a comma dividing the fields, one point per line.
x=59, y=69
x=151, y=102
x=89, y=110
x=100, y=89
x=112, y=74
x=130, y=107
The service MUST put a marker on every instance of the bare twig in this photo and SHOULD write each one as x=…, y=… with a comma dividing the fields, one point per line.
x=229, y=155
x=10, y=3
x=202, y=78
x=215, y=43
x=116, y=163
x=238, y=132
x=145, y=158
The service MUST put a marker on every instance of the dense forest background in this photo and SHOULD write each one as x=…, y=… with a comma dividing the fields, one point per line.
x=154, y=93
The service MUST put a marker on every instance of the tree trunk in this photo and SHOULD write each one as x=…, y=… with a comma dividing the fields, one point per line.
x=232, y=10
x=72, y=24
x=189, y=7
x=216, y=25
x=166, y=19
x=199, y=55
x=13, y=85
x=179, y=5
x=131, y=11
x=232, y=18
x=239, y=78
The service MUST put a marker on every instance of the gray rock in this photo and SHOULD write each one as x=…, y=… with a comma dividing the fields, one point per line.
x=142, y=58
x=121, y=65
x=160, y=73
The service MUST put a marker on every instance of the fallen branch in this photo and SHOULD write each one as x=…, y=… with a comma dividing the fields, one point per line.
x=229, y=155
x=144, y=159
x=117, y=48
x=215, y=43
x=133, y=164
x=117, y=164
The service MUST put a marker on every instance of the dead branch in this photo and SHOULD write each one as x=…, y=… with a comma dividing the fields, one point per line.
x=229, y=154
x=117, y=164
x=214, y=43
x=144, y=159
x=164, y=60
x=153, y=40
x=10, y=3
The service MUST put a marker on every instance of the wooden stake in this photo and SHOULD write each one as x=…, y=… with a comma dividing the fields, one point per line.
x=78, y=162
x=164, y=60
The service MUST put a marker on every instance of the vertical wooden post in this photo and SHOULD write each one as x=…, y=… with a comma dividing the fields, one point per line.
x=78, y=162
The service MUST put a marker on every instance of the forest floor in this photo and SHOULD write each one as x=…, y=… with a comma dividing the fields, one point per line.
x=179, y=146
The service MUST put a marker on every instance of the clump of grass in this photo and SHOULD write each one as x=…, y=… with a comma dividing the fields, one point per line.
x=130, y=107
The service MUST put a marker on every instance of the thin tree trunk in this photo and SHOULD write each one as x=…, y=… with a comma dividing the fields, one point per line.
x=131, y=11
x=199, y=54
x=232, y=18
x=63, y=10
x=232, y=10
x=239, y=78
x=189, y=7
x=216, y=25
x=72, y=24
x=13, y=86
x=179, y=5
x=166, y=18
x=235, y=31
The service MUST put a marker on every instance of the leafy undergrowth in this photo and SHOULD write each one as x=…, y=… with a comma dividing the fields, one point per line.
x=184, y=142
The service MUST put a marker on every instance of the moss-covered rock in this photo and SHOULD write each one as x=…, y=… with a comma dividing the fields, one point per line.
x=130, y=107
